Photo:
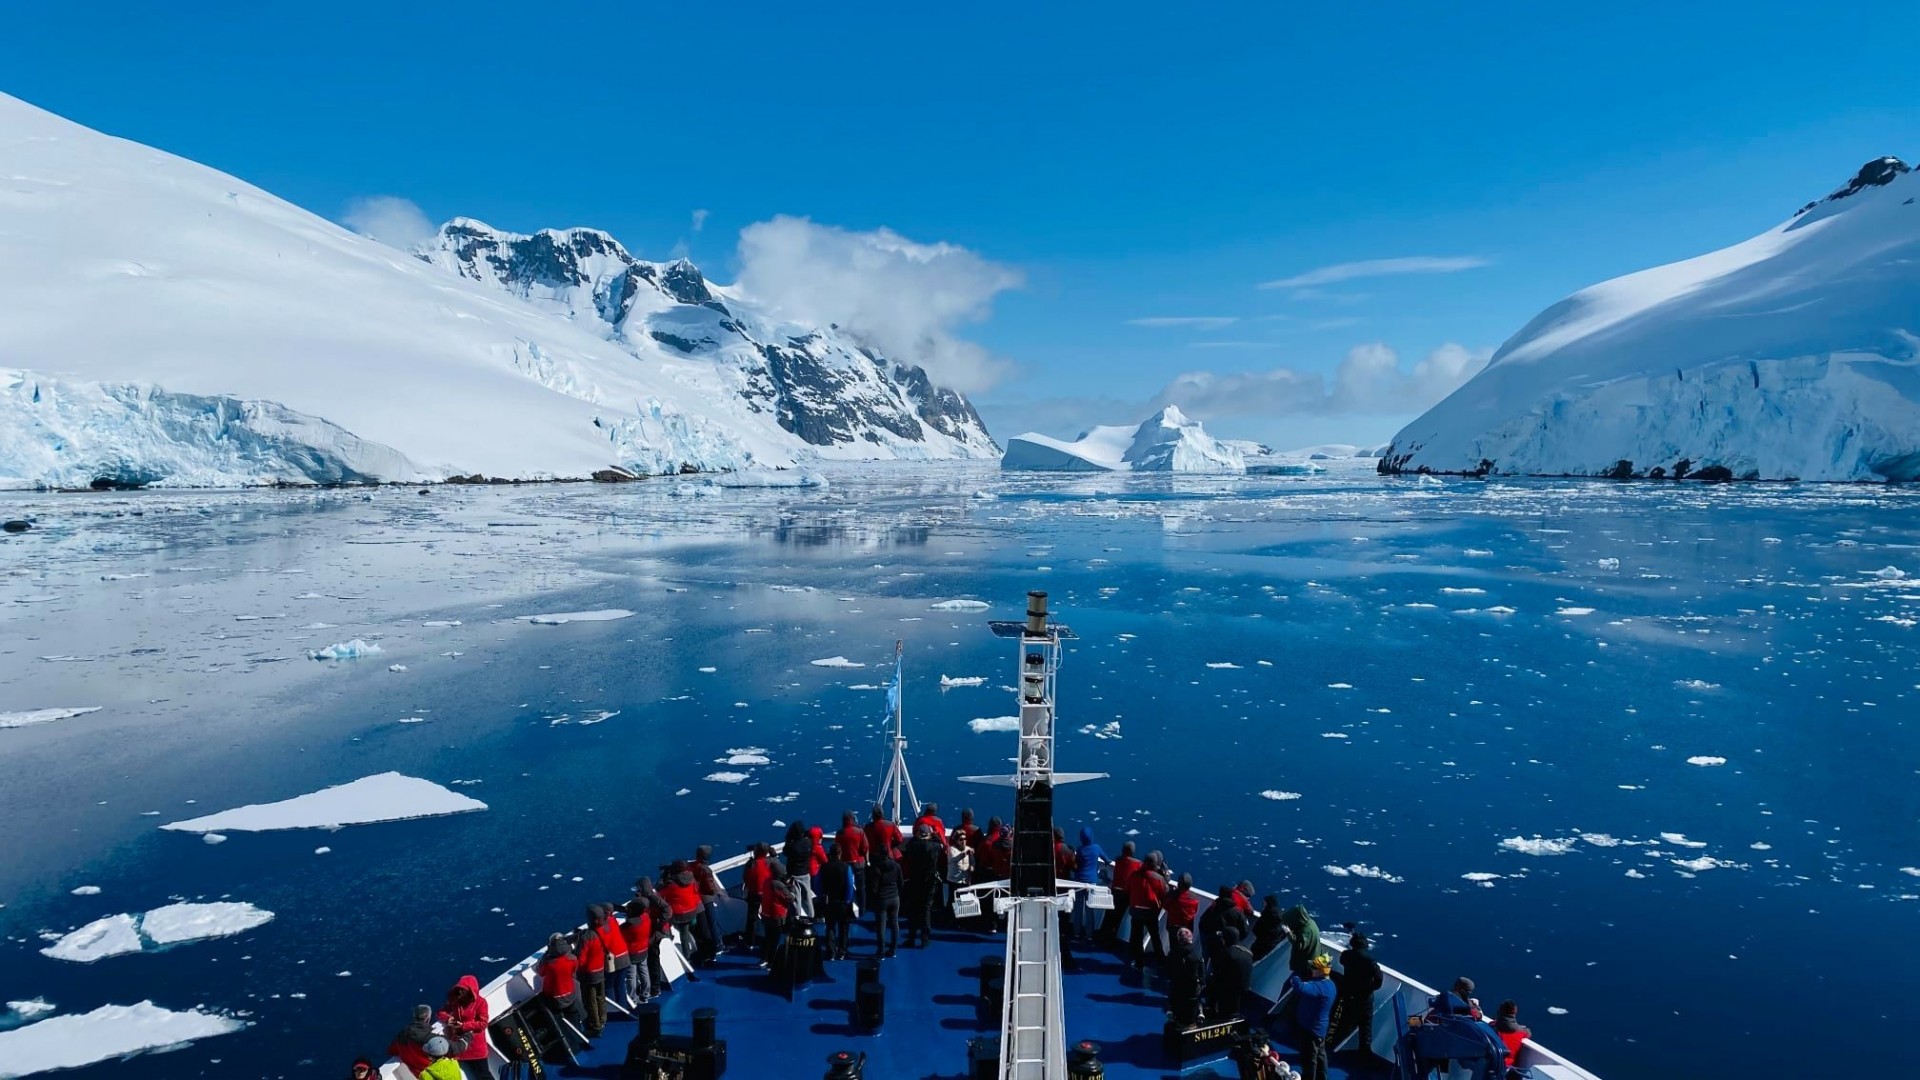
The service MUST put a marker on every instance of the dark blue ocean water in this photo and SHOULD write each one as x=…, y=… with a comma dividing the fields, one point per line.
x=1432, y=670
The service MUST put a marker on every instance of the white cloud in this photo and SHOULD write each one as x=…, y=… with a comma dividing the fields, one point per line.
x=1414, y=264
x=700, y=219
x=1369, y=381
x=904, y=298
x=1196, y=322
x=390, y=219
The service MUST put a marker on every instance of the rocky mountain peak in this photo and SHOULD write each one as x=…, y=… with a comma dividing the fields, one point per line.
x=1876, y=173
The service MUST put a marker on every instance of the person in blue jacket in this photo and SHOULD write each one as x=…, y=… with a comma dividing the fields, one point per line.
x=1087, y=859
x=1312, y=1009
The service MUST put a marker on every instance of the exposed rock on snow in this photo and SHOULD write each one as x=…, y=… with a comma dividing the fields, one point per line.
x=387, y=796
x=164, y=323
x=1791, y=355
x=111, y=1031
x=1166, y=442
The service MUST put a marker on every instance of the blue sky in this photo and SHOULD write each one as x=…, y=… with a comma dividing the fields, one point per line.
x=1128, y=165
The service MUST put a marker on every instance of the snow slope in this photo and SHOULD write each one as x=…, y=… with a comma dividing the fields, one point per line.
x=1793, y=354
x=162, y=322
x=1167, y=441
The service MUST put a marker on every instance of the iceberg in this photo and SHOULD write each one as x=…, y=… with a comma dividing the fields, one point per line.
x=173, y=924
x=388, y=796
x=562, y=618
x=1167, y=441
x=111, y=1031
x=99, y=939
x=44, y=716
x=1788, y=356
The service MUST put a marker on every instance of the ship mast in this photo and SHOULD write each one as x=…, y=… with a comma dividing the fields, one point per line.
x=897, y=786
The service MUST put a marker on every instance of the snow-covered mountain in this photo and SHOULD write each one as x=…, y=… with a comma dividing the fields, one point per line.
x=1793, y=354
x=1167, y=441
x=162, y=322
x=837, y=396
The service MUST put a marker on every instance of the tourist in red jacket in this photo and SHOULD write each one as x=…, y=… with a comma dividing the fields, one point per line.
x=683, y=901
x=591, y=972
x=410, y=1044
x=1512, y=1032
x=1146, y=888
x=706, y=926
x=753, y=883
x=621, y=980
x=463, y=1020
x=930, y=817
x=557, y=972
x=883, y=835
x=637, y=930
x=1063, y=858
x=1181, y=906
x=968, y=829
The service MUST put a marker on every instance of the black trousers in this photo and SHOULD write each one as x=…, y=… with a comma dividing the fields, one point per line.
x=919, y=911
x=1145, y=937
x=886, y=923
x=1313, y=1057
x=1352, y=1013
x=753, y=919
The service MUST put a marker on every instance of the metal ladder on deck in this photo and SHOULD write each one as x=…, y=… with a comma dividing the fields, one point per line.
x=1032, y=1029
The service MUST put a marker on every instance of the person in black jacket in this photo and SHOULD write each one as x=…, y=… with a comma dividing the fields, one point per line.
x=1353, y=1005
x=922, y=866
x=837, y=891
x=1268, y=931
x=883, y=881
x=1184, y=979
x=1232, y=975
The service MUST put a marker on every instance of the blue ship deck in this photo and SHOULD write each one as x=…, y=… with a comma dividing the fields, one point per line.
x=933, y=1007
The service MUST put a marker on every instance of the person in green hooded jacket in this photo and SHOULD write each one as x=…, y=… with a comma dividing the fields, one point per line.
x=1304, y=933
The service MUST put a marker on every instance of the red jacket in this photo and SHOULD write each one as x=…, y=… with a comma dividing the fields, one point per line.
x=556, y=976
x=819, y=857
x=638, y=932
x=593, y=953
x=1181, y=907
x=682, y=899
x=971, y=832
x=1145, y=889
x=411, y=1054
x=854, y=840
x=1063, y=860
x=773, y=903
x=755, y=876
x=1123, y=871
x=1513, y=1039
x=705, y=878
x=934, y=823
x=615, y=938
x=884, y=835
x=470, y=1021
x=1241, y=901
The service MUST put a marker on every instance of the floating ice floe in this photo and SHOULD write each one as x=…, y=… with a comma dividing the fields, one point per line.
x=747, y=755
x=1600, y=839
x=99, y=939
x=1911, y=871
x=1481, y=878
x=1555, y=1010
x=1572, y=611
x=44, y=716
x=727, y=777
x=397, y=668
x=111, y=1031
x=948, y=681
x=176, y=923
x=1889, y=573
x=344, y=650
x=87, y=890
x=1364, y=871
x=1680, y=840
x=836, y=662
x=1537, y=845
x=1706, y=760
x=30, y=1008
x=561, y=618
x=1701, y=685
x=1632, y=873
x=388, y=796
x=1279, y=796
x=1223, y=665
x=441, y=622
x=1609, y=564
x=1333, y=735
x=1339, y=686
x=1108, y=730
x=995, y=723
x=959, y=605
x=1704, y=863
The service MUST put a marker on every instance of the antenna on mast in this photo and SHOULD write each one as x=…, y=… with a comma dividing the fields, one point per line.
x=897, y=785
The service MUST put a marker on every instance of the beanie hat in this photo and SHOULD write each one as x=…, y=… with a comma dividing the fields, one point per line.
x=436, y=1047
